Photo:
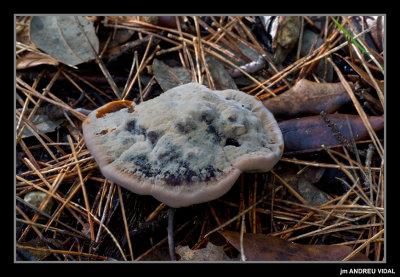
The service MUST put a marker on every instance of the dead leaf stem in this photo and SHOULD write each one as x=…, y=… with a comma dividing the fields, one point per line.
x=139, y=69
x=99, y=61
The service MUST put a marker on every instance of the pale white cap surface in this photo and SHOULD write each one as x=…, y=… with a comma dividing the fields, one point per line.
x=226, y=132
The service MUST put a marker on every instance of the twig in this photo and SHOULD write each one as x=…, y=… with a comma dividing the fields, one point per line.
x=121, y=202
x=139, y=69
x=324, y=165
x=64, y=252
x=170, y=229
x=227, y=62
x=293, y=191
x=362, y=246
x=110, y=190
x=99, y=61
x=364, y=198
x=242, y=231
x=34, y=130
x=376, y=86
x=238, y=216
x=368, y=159
x=359, y=109
x=42, y=213
x=155, y=212
x=27, y=88
x=83, y=187
x=163, y=240
x=130, y=73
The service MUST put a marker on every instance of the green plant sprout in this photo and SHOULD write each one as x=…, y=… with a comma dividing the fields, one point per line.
x=356, y=42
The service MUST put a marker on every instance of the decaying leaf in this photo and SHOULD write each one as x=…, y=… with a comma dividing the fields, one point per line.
x=307, y=134
x=287, y=35
x=31, y=59
x=377, y=24
x=220, y=76
x=308, y=98
x=372, y=40
x=309, y=43
x=209, y=253
x=261, y=247
x=170, y=77
x=39, y=243
x=303, y=182
x=43, y=123
x=61, y=37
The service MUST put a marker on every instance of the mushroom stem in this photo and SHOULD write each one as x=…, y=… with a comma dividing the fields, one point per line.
x=170, y=230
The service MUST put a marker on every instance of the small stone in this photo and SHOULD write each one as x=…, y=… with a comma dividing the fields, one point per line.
x=35, y=198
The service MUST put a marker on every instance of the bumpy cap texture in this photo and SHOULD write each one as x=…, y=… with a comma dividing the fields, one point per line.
x=187, y=146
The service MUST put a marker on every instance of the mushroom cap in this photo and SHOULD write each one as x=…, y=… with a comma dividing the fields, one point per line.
x=187, y=146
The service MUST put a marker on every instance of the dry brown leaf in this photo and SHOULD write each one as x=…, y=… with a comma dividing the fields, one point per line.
x=308, y=98
x=31, y=59
x=307, y=134
x=261, y=247
x=377, y=24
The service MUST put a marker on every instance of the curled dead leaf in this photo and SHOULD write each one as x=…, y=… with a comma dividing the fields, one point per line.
x=308, y=98
x=307, y=134
x=31, y=59
x=261, y=247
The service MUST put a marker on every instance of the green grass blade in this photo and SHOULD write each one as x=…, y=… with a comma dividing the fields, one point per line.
x=354, y=41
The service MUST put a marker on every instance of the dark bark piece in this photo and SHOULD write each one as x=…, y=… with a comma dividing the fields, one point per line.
x=308, y=98
x=307, y=134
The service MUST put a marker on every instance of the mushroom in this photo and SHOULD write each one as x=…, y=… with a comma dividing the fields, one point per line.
x=187, y=146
